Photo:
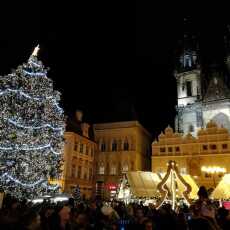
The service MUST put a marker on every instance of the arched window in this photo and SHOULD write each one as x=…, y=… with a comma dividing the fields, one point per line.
x=79, y=172
x=125, y=168
x=81, y=148
x=114, y=145
x=73, y=171
x=113, y=170
x=102, y=147
x=76, y=146
x=101, y=170
x=126, y=145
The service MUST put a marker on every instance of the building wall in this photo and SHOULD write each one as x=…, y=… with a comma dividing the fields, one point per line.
x=210, y=148
x=79, y=164
x=122, y=159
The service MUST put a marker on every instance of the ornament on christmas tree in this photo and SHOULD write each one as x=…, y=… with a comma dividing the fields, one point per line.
x=170, y=192
x=32, y=127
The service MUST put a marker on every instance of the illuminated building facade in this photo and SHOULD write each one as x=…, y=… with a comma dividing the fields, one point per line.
x=79, y=157
x=122, y=147
x=206, y=157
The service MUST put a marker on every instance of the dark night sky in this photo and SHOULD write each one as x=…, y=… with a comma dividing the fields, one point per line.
x=107, y=58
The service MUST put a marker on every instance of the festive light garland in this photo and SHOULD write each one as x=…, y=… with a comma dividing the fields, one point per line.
x=34, y=98
x=31, y=149
x=34, y=74
x=23, y=184
x=34, y=127
x=34, y=63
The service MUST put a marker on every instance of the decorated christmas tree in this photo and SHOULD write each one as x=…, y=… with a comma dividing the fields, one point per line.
x=77, y=194
x=31, y=131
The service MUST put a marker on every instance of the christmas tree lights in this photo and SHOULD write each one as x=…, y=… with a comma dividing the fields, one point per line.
x=32, y=125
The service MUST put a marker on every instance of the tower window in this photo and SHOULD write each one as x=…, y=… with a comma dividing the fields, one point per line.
x=189, y=88
x=191, y=128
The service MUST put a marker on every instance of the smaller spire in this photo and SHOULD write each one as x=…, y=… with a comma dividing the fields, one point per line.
x=35, y=52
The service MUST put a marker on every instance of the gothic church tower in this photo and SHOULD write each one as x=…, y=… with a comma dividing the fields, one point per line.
x=188, y=77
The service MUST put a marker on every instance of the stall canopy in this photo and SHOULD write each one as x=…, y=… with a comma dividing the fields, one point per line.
x=144, y=184
x=222, y=191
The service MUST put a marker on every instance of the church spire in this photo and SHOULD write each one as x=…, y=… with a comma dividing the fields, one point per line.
x=188, y=58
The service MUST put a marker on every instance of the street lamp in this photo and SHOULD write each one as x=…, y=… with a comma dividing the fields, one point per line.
x=213, y=170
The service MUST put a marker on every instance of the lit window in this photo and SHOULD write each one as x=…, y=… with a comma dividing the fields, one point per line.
x=213, y=147
x=162, y=150
x=189, y=88
x=85, y=176
x=79, y=172
x=90, y=174
x=191, y=128
x=92, y=151
x=101, y=170
x=114, y=146
x=102, y=147
x=132, y=166
x=126, y=146
x=73, y=171
x=113, y=170
x=125, y=168
x=170, y=149
x=205, y=147
x=76, y=146
x=183, y=171
x=207, y=175
x=81, y=148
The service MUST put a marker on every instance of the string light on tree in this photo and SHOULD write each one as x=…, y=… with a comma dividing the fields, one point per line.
x=32, y=125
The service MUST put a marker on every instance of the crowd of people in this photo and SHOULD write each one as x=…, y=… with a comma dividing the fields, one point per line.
x=96, y=214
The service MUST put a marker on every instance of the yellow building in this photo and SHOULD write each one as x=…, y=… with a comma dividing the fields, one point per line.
x=79, y=156
x=122, y=147
x=198, y=156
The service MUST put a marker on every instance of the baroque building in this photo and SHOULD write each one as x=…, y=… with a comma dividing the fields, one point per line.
x=79, y=157
x=122, y=147
x=196, y=103
x=209, y=149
